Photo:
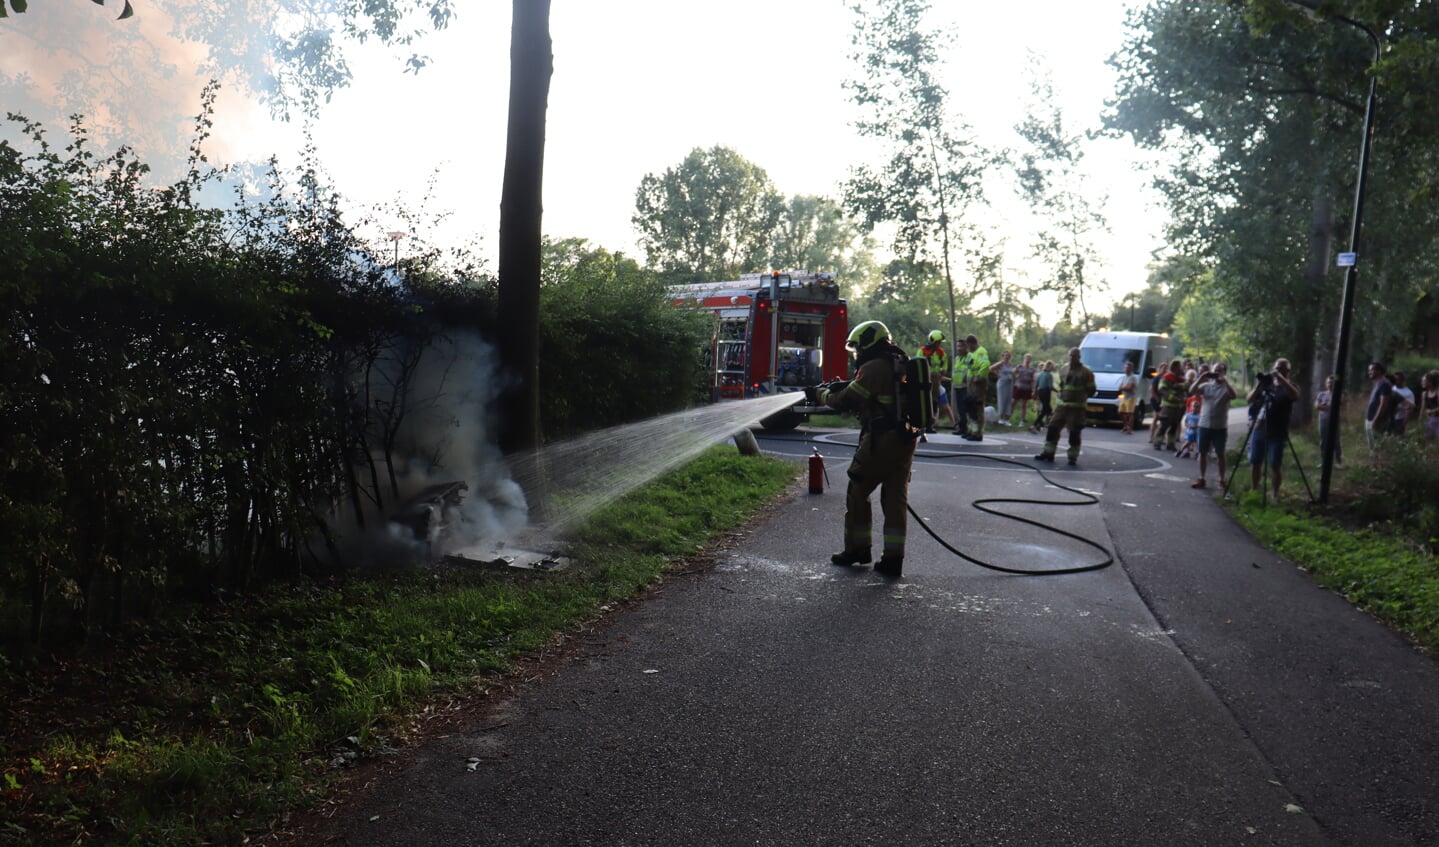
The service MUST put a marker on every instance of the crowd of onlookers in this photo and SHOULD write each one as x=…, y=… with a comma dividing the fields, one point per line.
x=968, y=377
x=1393, y=404
x=1187, y=403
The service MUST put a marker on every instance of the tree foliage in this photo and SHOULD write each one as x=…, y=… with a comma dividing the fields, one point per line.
x=1152, y=308
x=291, y=53
x=609, y=323
x=1051, y=180
x=711, y=217
x=1265, y=114
x=815, y=234
x=932, y=177
x=1207, y=325
x=20, y=7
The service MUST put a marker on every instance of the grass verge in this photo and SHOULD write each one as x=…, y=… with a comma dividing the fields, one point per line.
x=207, y=726
x=1379, y=572
x=1374, y=542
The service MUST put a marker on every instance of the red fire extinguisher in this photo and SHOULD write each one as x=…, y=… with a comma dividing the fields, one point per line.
x=816, y=473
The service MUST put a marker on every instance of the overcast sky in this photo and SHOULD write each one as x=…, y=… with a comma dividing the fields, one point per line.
x=639, y=83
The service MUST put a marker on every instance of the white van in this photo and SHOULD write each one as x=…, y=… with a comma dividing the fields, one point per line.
x=1106, y=352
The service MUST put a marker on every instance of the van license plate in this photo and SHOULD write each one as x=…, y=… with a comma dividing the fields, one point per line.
x=1094, y=410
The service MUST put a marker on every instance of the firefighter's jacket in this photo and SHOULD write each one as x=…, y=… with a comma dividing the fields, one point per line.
x=1173, y=391
x=1076, y=384
x=873, y=395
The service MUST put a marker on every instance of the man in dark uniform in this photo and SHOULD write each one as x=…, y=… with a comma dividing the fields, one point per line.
x=885, y=452
x=1076, y=386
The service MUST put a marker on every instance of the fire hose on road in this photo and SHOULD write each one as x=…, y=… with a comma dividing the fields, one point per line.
x=982, y=505
x=816, y=467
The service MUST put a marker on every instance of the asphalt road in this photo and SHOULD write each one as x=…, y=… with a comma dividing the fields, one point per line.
x=1200, y=691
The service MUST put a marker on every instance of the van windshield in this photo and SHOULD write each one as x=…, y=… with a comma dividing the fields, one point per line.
x=1109, y=360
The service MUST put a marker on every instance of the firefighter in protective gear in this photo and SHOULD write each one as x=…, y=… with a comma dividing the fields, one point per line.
x=1173, y=392
x=977, y=375
x=885, y=452
x=1076, y=386
x=939, y=376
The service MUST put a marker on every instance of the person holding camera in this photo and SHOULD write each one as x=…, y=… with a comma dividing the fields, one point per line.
x=1274, y=393
x=1215, y=393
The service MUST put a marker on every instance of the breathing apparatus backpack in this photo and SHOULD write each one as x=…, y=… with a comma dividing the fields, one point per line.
x=912, y=395
x=915, y=401
x=911, y=410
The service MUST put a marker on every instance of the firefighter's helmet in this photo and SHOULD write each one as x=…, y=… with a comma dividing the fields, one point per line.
x=936, y=336
x=866, y=335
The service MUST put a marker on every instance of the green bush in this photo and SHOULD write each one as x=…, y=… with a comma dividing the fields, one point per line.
x=1400, y=487
x=190, y=393
x=612, y=347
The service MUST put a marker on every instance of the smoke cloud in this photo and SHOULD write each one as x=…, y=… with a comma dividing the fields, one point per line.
x=445, y=437
x=137, y=82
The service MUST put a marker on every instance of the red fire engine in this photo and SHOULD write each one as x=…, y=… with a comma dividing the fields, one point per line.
x=773, y=333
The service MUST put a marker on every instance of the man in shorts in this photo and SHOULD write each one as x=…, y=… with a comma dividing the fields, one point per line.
x=1215, y=394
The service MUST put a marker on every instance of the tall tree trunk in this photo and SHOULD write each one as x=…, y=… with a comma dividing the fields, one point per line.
x=531, y=65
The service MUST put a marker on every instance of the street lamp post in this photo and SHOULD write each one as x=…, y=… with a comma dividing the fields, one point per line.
x=395, y=237
x=1351, y=274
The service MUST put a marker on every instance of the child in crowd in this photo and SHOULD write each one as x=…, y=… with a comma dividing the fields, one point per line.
x=1190, y=448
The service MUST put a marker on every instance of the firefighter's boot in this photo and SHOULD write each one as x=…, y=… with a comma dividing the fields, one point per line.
x=889, y=566
x=851, y=557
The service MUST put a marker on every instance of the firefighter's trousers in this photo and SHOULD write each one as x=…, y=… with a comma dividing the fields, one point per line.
x=1065, y=416
x=882, y=461
x=1169, y=420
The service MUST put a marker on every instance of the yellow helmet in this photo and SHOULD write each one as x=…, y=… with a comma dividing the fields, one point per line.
x=936, y=336
x=866, y=335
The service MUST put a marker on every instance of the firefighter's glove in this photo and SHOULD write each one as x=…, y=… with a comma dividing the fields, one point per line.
x=832, y=388
x=811, y=394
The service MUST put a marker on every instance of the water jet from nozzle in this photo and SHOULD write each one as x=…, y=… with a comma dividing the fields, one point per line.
x=583, y=474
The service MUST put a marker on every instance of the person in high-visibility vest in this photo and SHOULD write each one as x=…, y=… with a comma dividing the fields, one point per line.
x=939, y=377
x=978, y=377
x=885, y=453
x=1075, y=387
x=959, y=387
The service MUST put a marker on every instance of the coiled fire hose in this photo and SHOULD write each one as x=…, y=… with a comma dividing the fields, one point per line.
x=983, y=506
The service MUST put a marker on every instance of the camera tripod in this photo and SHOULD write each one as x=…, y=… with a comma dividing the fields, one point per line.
x=1264, y=477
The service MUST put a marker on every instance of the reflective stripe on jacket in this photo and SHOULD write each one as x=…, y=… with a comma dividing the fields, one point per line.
x=870, y=396
x=1076, y=385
